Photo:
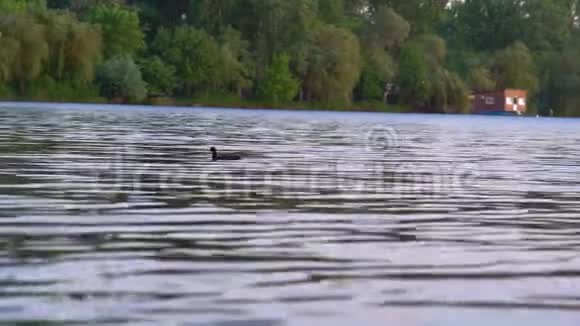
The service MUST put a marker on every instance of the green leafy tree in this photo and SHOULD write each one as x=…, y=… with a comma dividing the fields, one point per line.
x=564, y=84
x=279, y=85
x=8, y=58
x=370, y=87
x=237, y=68
x=75, y=48
x=159, y=76
x=82, y=6
x=22, y=5
x=335, y=65
x=120, y=28
x=423, y=15
x=50, y=44
x=331, y=11
x=434, y=48
x=379, y=70
x=425, y=81
x=481, y=80
x=27, y=48
x=387, y=29
x=486, y=24
x=457, y=94
x=514, y=67
x=413, y=81
x=195, y=55
x=496, y=24
x=548, y=24
x=277, y=26
x=121, y=78
x=212, y=15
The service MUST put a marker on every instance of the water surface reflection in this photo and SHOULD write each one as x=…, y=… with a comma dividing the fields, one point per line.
x=115, y=215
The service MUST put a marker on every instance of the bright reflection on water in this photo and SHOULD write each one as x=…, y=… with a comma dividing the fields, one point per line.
x=115, y=215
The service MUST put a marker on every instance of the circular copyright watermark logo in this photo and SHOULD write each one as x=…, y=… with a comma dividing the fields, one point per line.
x=382, y=138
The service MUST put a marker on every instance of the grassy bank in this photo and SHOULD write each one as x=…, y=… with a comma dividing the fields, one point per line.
x=233, y=102
x=227, y=102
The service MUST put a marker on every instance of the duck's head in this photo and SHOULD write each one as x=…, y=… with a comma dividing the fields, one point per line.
x=213, y=150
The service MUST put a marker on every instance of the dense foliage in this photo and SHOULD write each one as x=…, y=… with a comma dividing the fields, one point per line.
x=422, y=54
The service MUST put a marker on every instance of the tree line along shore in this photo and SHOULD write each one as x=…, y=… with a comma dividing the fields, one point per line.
x=413, y=55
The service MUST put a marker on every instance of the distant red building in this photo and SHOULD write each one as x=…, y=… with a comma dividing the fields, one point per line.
x=506, y=102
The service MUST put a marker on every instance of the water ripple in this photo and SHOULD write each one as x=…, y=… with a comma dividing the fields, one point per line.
x=112, y=215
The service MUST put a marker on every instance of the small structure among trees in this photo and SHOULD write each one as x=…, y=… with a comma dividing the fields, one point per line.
x=505, y=102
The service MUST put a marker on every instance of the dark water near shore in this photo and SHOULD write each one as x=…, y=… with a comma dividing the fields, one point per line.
x=114, y=216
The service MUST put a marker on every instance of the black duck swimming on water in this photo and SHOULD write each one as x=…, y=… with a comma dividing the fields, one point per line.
x=215, y=156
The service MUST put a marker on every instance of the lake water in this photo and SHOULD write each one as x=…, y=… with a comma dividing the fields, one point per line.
x=115, y=215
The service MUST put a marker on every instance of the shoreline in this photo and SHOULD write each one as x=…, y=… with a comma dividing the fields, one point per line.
x=363, y=107
x=357, y=107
